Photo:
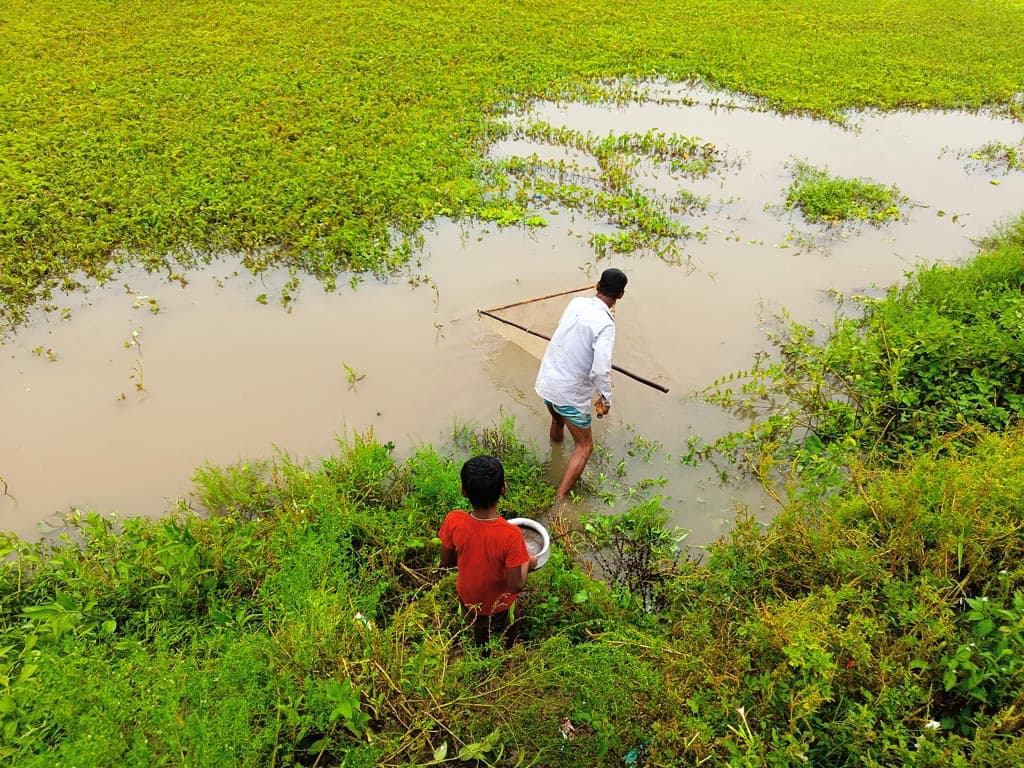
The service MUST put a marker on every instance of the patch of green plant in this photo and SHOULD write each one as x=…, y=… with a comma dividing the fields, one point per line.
x=686, y=156
x=320, y=137
x=612, y=477
x=990, y=668
x=528, y=493
x=635, y=551
x=644, y=222
x=849, y=613
x=825, y=199
x=932, y=360
x=998, y=154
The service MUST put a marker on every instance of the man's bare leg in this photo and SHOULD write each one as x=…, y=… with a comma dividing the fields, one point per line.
x=557, y=429
x=584, y=446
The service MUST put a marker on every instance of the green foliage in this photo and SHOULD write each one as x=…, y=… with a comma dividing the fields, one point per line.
x=990, y=668
x=851, y=630
x=302, y=621
x=831, y=200
x=829, y=635
x=934, y=359
x=432, y=481
x=321, y=136
x=237, y=491
x=877, y=619
x=611, y=192
x=562, y=601
x=634, y=551
x=998, y=154
x=528, y=493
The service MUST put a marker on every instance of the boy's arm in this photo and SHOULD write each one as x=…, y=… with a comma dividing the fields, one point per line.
x=449, y=557
x=515, y=578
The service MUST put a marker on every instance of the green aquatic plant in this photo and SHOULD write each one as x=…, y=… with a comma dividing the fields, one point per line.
x=933, y=361
x=352, y=375
x=323, y=136
x=825, y=199
x=610, y=190
x=998, y=154
x=686, y=156
x=149, y=302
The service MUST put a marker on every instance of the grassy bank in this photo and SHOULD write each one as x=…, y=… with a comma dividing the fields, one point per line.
x=305, y=623
x=322, y=135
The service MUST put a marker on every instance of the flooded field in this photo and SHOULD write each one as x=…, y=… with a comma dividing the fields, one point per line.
x=114, y=406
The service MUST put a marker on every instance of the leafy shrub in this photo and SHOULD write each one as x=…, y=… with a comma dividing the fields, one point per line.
x=634, y=551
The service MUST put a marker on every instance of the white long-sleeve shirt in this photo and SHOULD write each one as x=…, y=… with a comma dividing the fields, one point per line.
x=578, y=360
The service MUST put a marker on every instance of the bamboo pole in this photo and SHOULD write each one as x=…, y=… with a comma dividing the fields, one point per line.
x=541, y=298
x=623, y=371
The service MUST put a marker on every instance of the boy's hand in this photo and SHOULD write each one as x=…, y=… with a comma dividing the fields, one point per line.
x=533, y=562
x=449, y=557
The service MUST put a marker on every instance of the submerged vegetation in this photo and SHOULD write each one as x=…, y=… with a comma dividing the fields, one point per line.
x=608, y=190
x=321, y=136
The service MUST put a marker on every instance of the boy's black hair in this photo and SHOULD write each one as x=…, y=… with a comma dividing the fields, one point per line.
x=483, y=479
x=613, y=283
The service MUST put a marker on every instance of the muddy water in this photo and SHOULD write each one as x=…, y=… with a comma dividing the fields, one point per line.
x=114, y=408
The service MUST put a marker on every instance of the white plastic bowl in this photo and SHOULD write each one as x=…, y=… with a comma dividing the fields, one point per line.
x=533, y=525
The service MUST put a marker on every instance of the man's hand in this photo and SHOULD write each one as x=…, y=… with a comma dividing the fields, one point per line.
x=533, y=563
x=601, y=406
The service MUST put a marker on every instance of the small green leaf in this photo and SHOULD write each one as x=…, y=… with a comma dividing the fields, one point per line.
x=492, y=740
x=472, y=751
x=984, y=627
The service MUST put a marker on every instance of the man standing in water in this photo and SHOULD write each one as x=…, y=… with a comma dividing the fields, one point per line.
x=576, y=364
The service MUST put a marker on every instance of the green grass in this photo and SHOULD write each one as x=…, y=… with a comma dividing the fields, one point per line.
x=833, y=636
x=322, y=135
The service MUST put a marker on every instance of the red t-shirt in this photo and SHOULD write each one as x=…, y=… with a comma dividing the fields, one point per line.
x=485, y=549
